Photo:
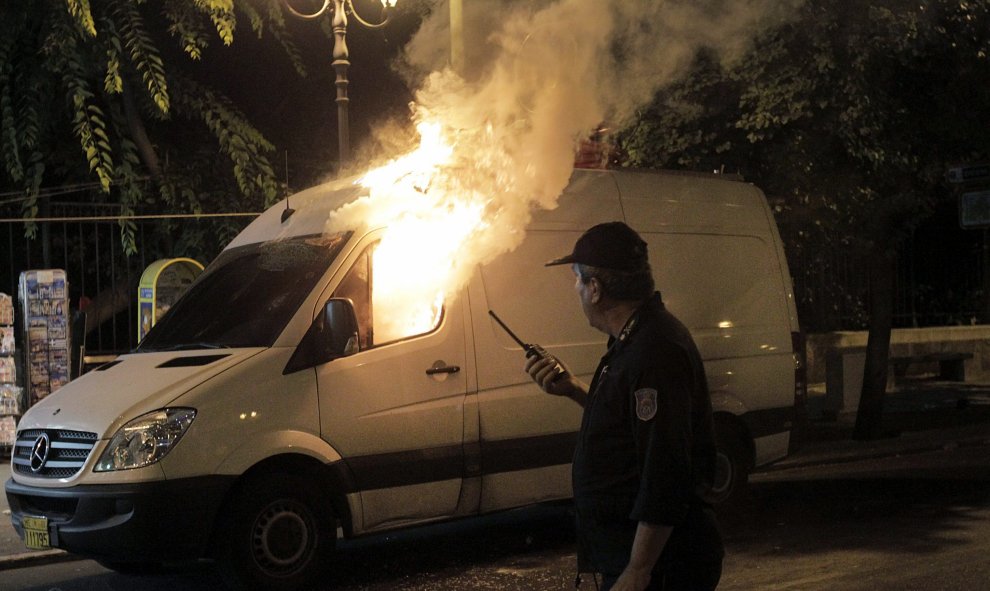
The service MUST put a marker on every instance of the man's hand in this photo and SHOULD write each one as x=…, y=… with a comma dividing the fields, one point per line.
x=647, y=546
x=546, y=370
x=553, y=376
x=632, y=580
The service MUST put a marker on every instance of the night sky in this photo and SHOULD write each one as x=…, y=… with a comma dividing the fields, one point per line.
x=299, y=115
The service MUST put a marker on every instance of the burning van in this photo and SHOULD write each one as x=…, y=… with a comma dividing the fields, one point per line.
x=308, y=383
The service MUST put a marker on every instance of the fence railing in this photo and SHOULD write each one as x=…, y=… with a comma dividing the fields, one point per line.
x=935, y=286
x=944, y=286
x=84, y=239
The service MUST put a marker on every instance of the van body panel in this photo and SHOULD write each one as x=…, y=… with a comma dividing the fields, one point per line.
x=771, y=447
x=741, y=284
x=402, y=506
x=690, y=203
x=261, y=446
x=102, y=400
x=782, y=268
x=539, y=305
x=751, y=380
x=525, y=487
x=725, y=401
x=397, y=426
x=527, y=437
x=256, y=403
x=591, y=197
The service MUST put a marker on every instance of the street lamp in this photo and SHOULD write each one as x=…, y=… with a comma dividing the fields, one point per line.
x=341, y=57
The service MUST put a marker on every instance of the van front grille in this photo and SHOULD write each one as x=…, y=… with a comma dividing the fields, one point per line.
x=51, y=453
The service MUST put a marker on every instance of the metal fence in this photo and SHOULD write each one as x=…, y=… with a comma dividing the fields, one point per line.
x=84, y=239
x=942, y=270
x=941, y=281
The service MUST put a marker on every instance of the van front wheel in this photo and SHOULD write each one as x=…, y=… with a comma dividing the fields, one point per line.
x=278, y=535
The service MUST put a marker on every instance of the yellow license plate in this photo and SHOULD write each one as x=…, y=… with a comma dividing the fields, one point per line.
x=36, y=533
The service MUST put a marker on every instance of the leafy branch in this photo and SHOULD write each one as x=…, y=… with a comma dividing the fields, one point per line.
x=98, y=72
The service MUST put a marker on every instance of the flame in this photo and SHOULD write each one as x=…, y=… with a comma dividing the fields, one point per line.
x=415, y=170
x=428, y=222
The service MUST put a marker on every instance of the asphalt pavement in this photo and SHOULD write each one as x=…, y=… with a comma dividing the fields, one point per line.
x=13, y=553
x=919, y=416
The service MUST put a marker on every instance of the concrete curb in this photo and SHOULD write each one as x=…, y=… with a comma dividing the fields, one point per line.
x=39, y=558
x=915, y=447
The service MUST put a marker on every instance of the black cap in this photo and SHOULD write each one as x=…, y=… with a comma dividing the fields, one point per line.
x=612, y=245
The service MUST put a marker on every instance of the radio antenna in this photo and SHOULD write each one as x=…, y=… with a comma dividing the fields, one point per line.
x=288, y=210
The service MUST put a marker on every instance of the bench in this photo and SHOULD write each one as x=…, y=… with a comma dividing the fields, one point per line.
x=89, y=362
x=844, y=374
x=951, y=366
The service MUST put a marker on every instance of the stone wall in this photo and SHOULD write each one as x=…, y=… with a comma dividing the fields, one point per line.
x=909, y=341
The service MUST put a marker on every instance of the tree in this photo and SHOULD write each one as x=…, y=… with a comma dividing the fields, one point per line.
x=850, y=114
x=95, y=90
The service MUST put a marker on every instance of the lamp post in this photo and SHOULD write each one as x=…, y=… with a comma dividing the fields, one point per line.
x=341, y=57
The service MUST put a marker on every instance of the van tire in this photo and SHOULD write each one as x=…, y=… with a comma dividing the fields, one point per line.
x=279, y=534
x=732, y=466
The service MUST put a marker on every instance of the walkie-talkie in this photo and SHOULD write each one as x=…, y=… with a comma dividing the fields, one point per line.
x=530, y=348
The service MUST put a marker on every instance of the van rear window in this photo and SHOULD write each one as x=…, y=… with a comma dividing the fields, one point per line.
x=246, y=296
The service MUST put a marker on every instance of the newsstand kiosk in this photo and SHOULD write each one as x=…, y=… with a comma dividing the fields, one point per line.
x=44, y=300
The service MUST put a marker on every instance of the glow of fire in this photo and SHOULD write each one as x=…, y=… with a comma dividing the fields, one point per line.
x=416, y=168
x=428, y=224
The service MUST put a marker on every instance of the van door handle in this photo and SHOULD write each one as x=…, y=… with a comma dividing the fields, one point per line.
x=445, y=369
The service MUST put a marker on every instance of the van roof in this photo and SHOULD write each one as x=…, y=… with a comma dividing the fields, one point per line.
x=650, y=200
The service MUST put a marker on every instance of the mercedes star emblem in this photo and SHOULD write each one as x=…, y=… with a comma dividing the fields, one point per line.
x=39, y=452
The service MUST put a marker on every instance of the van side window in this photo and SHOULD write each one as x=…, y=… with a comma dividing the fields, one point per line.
x=384, y=318
x=356, y=286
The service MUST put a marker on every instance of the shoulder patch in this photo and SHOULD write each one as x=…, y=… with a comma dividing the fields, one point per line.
x=646, y=403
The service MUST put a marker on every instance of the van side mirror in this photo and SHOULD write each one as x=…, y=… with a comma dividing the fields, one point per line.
x=333, y=334
x=341, y=322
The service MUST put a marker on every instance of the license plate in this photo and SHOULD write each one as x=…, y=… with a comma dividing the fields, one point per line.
x=36, y=533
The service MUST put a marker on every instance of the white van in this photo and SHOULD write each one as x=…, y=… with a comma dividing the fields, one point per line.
x=264, y=413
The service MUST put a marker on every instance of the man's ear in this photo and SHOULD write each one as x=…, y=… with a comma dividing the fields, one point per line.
x=595, y=290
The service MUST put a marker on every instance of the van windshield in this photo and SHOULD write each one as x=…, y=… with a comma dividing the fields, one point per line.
x=246, y=296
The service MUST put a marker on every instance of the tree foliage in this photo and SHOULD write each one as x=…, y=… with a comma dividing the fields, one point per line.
x=853, y=109
x=848, y=116
x=104, y=76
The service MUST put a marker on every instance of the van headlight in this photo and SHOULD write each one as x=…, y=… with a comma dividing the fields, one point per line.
x=146, y=439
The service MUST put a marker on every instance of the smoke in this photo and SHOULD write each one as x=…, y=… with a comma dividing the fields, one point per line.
x=539, y=77
x=548, y=73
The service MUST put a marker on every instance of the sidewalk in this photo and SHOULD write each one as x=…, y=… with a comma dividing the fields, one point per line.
x=13, y=553
x=918, y=417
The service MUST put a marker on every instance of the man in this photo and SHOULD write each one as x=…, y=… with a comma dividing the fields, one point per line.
x=646, y=450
